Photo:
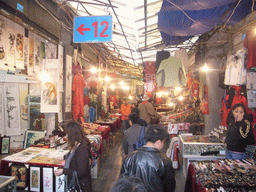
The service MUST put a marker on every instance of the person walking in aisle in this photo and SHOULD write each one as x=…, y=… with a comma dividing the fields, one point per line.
x=149, y=164
x=132, y=134
x=147, y=111
x=125, y=110
x=77, y=160
x=239, y=133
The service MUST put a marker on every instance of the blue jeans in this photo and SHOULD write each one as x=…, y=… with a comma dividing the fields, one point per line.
x=235, y=155
x=124, y=125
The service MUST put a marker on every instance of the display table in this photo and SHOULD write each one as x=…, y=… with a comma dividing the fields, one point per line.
x=34, y=168
x=221, y=175
x=112, y=123
x=195, y=147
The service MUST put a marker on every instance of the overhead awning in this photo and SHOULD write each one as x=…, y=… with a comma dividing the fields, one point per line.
x=179, y=20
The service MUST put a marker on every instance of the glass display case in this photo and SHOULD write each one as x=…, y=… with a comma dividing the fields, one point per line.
x=200, y=147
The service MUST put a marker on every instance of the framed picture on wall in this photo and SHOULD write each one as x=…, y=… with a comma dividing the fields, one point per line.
x=31, y=136
x=34, y=178
x=5, y=145
x=20, y=172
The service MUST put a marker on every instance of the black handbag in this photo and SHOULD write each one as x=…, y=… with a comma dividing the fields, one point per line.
x=74, y=185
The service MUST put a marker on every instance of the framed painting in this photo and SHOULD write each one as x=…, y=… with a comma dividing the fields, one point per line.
x=20, y=172
x=59, y=182
x=34, y=178
x=48, y=179
x=5, y=145
x=32, y=136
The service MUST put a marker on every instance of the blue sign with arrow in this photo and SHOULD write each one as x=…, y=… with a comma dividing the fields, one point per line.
x=92, y=29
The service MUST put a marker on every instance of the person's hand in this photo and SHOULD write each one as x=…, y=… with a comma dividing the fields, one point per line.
x=58, y=172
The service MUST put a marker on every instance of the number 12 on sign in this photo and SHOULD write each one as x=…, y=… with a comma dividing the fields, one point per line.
x=92, y=29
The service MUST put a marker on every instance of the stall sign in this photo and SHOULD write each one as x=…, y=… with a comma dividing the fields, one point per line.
x=92, y=29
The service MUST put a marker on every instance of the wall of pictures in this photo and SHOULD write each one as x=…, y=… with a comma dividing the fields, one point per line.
x=24, y=54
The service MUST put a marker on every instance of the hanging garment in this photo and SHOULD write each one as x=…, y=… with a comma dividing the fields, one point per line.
x=86, y=100
x=232, y=91
x=250, y=44
x=113, y=99
x=251, y=98
x=91, y=114
x=251, y=80
x=93, y=97
x=78, y=86
x=235, y=73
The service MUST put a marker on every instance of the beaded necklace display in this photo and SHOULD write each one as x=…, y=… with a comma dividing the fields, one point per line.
x=244, y=135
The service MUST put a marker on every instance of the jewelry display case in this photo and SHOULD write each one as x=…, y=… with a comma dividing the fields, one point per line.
x=200, y=147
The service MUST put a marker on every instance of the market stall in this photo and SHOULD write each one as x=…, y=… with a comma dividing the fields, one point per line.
x=34, y=168
x=200, y=147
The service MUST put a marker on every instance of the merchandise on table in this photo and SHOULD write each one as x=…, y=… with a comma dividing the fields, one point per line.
x=201, y=149
x=38, y=155
x=231, y=175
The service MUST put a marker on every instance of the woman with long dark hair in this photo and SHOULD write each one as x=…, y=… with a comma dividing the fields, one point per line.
x=239, y=133
x=77, y=160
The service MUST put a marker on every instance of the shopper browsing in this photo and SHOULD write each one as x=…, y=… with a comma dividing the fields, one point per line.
x=239, y=133
x=77, y=160
x=149, y=164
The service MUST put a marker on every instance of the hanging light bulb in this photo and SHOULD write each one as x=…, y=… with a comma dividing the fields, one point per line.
x=93, y=70
x=44, y=77
x=205, y=68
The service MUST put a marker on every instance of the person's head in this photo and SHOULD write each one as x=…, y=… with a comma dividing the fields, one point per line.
x=125, y=101
x=237, y=113
x=135, y=110
x=129, y=184
x=134, y=118
x=156, y=135
x=75, y=133
x=133, y=105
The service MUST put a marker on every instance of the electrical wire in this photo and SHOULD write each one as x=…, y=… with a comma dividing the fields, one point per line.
x=231, y=14
x=187, y=15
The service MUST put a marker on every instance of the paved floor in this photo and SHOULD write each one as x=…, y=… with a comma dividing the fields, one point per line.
x=110, y=169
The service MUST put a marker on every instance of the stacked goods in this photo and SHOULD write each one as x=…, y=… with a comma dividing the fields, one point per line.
x=91, y=128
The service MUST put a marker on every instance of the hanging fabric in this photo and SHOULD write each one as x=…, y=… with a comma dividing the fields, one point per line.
x=78, y=93
x=235, y=73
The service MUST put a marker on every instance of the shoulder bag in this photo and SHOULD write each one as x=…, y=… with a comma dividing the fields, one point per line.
x=74, y=185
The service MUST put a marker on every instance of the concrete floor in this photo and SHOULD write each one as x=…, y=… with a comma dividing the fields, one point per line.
x=110, y=169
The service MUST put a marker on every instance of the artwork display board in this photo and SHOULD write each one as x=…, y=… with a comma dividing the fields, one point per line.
x=35, y=176
x=5, y=145
x=11, y=110
x=20, y=172
x=31, y=136
x=48, y=179
x=36, y=118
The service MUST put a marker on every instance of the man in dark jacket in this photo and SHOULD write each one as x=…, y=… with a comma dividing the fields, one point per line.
x=132, y=134
x=147, y=163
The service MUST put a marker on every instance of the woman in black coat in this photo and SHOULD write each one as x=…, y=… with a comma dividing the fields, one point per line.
x=78, y=157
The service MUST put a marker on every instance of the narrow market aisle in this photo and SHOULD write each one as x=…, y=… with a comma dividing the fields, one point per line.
x=110, y=169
